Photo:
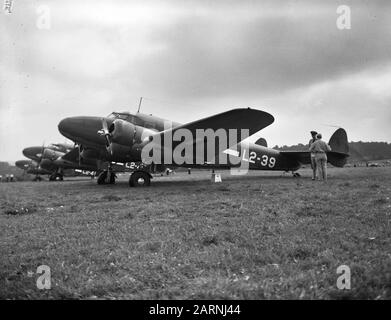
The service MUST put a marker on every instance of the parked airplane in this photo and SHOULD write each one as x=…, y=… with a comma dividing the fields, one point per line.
x=32, y=167
x=123, y=137
x=48, y=160
x=59, y=160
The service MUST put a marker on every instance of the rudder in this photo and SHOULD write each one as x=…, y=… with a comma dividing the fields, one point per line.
x=339, y=142
x=339, y=148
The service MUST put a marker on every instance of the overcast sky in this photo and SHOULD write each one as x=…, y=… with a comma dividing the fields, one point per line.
x=191, y=59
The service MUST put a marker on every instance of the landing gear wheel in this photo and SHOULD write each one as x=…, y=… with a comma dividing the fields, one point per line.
x=52, y=177
x=140, y=179
x=102, y=177
x=112, y=178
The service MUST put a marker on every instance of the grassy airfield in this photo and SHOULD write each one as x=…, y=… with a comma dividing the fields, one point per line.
x=262, y=236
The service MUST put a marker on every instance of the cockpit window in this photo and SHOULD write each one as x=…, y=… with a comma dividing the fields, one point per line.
x=116, y=115
x=53, y=147
x=123, y=116
x=130, y=118
x=112, y=115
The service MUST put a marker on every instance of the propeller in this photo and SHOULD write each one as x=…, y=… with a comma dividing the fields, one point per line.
x=41, y=155
x=78, y=146
x=106, y=133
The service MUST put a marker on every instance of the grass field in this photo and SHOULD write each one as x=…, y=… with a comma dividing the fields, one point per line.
x=263, y=236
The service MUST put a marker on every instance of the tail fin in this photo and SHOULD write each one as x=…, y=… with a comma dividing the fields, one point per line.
x=339, y=148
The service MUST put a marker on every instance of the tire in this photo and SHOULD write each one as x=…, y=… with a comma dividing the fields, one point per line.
x=139, y=179
x=112, y=178
x=102, y=177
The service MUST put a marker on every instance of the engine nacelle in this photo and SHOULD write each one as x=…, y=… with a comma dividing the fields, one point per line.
x=122, y=132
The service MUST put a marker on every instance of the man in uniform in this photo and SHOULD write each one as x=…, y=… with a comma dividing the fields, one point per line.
x=320, y=148
x=313, y=162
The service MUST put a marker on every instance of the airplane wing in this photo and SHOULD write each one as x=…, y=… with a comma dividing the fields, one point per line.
x=251, y=119
x=248, y=119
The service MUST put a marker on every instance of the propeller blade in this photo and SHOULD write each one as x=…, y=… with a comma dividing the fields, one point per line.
x=41, y=156
x=78, y=146
x=104, y=125
x=105, y=131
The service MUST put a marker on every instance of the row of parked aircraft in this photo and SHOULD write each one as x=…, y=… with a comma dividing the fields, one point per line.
x=116, y=144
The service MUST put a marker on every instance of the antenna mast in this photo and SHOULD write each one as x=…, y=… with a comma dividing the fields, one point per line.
x=139, y=104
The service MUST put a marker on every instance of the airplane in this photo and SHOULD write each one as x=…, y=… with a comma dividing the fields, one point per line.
x=49, y=160
x=123, y=137
x=59, y=160
x=32, y=167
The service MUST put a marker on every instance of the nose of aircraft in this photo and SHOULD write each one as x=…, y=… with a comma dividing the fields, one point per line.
x=33, y=153
x=22, y=164
x=83, y=130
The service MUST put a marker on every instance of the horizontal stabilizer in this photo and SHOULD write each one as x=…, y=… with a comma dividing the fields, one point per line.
x=337, y=156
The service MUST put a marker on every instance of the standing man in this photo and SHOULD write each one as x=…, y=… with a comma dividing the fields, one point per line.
x=320, y=148
x=313, y=162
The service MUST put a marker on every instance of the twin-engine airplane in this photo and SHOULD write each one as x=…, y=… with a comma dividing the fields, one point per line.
x=31, y=167
x=151, y=141
x=49, y=160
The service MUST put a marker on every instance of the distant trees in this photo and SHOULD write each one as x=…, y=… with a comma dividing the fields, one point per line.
x=6, y=168
x=370, y=150
x=359, y=151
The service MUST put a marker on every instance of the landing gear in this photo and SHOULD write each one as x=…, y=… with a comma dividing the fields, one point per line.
x=140, y=179
x=106, y=177
x=37, y=178
x=55, y=175
x=102, y=177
